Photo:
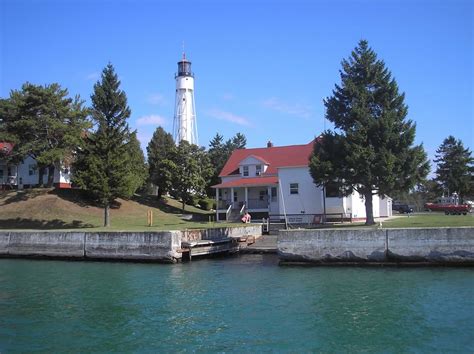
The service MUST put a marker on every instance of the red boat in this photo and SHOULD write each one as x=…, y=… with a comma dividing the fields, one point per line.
x=450, y=206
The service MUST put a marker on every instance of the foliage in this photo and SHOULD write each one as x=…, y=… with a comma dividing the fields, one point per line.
x=372, y=149
x=43, y=123
x=220, y=151
x=138, y=171
x=455, y=169
x=424, y=192
x=206, y=203
x=191, y=172
x=160, y=150
x=106, y=163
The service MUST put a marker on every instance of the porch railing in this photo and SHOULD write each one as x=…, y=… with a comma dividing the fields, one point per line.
x=258, y=203
x=252, y=204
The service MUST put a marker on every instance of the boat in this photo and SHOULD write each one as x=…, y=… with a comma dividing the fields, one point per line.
x=450, y=205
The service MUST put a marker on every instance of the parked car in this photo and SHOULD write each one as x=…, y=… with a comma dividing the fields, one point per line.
x=404, y=209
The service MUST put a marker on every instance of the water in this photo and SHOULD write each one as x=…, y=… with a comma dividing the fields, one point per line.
x=239, y=304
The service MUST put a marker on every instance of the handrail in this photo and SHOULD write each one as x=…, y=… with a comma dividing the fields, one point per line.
x=242, y=209
x=227, y=213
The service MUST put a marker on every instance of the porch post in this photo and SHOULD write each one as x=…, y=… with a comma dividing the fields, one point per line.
x=246, y=198
x=217, y=204
x=232, y=197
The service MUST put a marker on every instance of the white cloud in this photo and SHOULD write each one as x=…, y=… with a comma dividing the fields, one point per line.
x=152, y=119
x=93, y=76
x=294, y=109
x=229, y=117
x=156, y=98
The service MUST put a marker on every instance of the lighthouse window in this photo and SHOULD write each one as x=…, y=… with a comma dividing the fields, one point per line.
x=184, y=99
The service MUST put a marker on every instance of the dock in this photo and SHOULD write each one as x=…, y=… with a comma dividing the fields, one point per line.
x=208, y=247
x=263, y=244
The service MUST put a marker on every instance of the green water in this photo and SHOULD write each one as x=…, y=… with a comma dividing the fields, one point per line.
x=239, y=304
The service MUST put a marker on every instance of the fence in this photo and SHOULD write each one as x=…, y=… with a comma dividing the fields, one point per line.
x=277, y=222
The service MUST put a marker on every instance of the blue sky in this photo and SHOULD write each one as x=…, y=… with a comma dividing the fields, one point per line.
x=262, y=68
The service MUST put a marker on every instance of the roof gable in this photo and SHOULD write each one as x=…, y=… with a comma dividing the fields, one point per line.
x=274, y=157
x=253, y=160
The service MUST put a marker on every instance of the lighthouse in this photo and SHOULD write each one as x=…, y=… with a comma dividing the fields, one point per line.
x=184, y=122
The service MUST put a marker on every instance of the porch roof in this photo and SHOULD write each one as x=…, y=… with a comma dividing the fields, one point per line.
x=249, y=182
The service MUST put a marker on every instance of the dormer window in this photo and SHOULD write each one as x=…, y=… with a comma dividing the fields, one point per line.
x=258, y=170
x=245, y=171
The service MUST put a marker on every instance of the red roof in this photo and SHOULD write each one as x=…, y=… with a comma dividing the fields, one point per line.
x=249, y=182
x=276, y=157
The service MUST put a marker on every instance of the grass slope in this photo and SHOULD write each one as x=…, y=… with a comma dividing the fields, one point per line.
x=66, y=209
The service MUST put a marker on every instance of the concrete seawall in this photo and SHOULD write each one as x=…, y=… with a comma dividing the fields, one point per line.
x=160, y=246
x=428, y=245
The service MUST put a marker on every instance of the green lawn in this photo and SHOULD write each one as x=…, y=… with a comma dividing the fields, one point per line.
x=49, y=209
x=430, y=220
x=417, y=220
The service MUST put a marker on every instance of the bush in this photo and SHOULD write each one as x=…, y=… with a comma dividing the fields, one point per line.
x=206, y=204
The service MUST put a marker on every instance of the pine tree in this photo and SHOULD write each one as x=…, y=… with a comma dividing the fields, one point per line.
x=455, y=169
x=372, y=149
x=160, y=150
x=219, y=152
x=104, y=163
x=43, y=123
x=138, y=169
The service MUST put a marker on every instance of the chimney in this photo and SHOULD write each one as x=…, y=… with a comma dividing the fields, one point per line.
x=269, y=144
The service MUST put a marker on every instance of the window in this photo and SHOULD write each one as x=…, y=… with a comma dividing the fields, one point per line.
x=258, y=170
x=274, y=194
x=32, y=170
x=245, y=171
x=235, y=196
x=261, y=195
x=1, y=173
x=332, y=191
x=293, y=188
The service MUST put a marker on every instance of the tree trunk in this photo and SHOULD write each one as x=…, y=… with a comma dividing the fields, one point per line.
x=41, y=175
x=183, y=204
x=50, y=175
x=369, y=211
x=107, y=215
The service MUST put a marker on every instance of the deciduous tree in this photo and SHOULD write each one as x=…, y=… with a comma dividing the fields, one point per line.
x=192, y=170
x=160, y=151
x=43, y=122
x=372, y=148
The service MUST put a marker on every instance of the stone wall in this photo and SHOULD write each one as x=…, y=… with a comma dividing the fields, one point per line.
x=154, y=246
x=222, y=232
x=434, y=245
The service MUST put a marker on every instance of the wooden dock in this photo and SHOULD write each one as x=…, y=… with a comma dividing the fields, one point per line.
x=208, y=247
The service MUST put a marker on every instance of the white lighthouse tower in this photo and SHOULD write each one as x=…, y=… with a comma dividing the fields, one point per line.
x=184, y=123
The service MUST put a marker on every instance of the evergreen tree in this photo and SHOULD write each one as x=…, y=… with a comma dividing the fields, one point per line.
x=160, y=151
x=238, y=141
x=219, y=152
x=455, y=169
x=192, y=170
x=372, y=149
x=138, y=169
x=218, y=156
x=43, y=123
x=104, y=162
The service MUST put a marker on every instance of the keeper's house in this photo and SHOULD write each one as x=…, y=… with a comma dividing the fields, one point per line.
x=25, y=174
x=275, y=181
